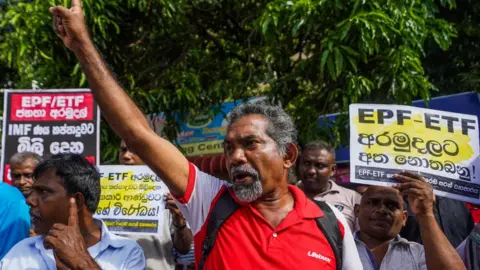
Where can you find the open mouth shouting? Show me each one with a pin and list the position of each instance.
(242, 177)
(243, 174)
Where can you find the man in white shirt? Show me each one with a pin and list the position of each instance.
(159, 250)
(64, 197)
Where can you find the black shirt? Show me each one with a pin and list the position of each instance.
(454, 219)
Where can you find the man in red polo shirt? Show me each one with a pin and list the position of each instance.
(274, 227)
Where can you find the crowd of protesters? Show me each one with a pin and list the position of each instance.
(255, 220)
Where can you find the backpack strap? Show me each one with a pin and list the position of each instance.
(472, 249)
(222, 210)
(328, 224)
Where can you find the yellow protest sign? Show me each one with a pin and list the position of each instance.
(132, 199)
(441, 146)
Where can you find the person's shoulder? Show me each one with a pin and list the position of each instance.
(335, 210)
(30, 241)
(125, 242)
(199, 174)
(124, 239)
(207, 181)
(417, 250)
(340, 217)
(415, 247)
(24, 247)
(347, 192)
(9, 193)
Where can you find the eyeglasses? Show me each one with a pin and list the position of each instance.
(18, 176)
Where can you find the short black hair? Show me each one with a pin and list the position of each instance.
(322, 145)
(77, 175)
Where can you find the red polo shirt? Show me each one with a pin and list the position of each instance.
(247, 241)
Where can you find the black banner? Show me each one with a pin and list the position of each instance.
(50, 122)
(439, 183)
(129, 225)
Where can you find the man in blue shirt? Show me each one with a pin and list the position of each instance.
(14, 218)
(381, 215)
(64, 197)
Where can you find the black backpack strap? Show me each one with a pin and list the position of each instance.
(222, 210)
(472, 249)
(328, 224)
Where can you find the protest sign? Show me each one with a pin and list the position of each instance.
(132, 200)
(441, 146)
(49, 122)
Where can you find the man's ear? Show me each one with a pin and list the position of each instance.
(334, 170)
(356, 210)
(404, 218)
(290, 156)
(80, 201)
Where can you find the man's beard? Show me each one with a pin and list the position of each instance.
(247, 192)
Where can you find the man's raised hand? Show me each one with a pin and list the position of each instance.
(419, 193)
(69, 25)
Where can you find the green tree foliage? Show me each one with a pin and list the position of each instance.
(313, 56)
(458, 68)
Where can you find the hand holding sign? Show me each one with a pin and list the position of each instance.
(419, 192)
(69, 25)
(443, 145)
(67, 241)
(178, 218)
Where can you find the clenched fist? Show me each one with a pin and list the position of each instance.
(69, 25)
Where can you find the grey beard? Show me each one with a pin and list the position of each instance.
(248, 193)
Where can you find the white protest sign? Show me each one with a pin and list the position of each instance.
(441, 146)
(132, 200)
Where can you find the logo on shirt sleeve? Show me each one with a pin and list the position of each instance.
(339, 207)
(318, 256)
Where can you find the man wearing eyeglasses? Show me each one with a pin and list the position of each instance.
(22, 166)
(14, 216)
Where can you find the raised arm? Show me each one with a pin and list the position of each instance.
(121, 113)
(439, 253)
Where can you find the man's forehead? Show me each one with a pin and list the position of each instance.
(47, 178)
(317, 154)
(382, 193)
(29, 162)
(247, 126)
(22, 167)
